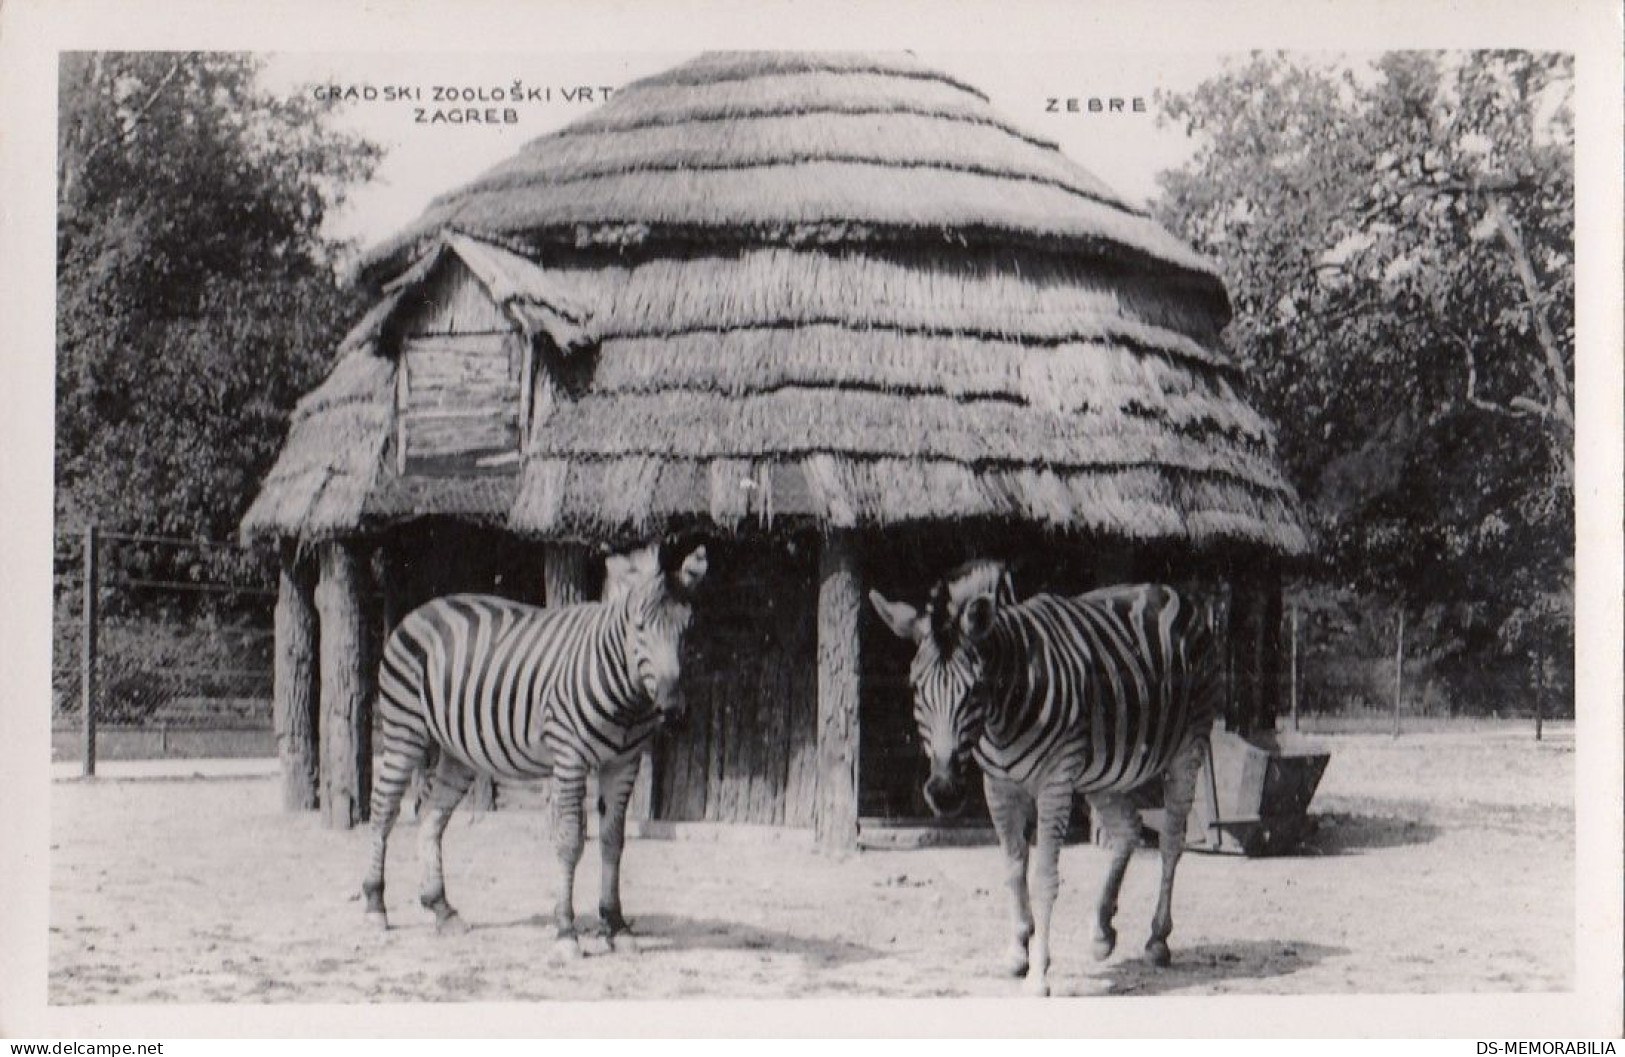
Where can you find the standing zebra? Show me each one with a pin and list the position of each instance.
(1097, 694)
(518, 692)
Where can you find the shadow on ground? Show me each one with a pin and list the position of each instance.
(667, 932)
(1339, 833)
(1208, 964)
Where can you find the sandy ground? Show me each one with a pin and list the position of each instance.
(1442, 863)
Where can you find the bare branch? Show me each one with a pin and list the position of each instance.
(1517, 407)
(1562, 403)
(123, 132)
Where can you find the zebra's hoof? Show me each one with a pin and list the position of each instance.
(565, 949)
(1036, 986)
(451, 925)
(1015, 964)
(1156, 952)
(1104, 945)
(621, 942)
(378, 920)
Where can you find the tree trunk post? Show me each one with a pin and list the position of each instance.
(835, 810)
(1255, 646)
(1270, 676)
(88, 650)
(564, 565)
(296, 694)
(1294, 668)
(1399, 667)
(348, 652)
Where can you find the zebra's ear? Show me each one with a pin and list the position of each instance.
(976, 619)
(904, 620)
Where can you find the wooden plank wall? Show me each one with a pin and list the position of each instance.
(746, 752)
(459, 393)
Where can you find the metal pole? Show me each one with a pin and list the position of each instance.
(1294, 666)
(1399, 668)
(87, 657)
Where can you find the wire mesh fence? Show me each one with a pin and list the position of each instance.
(1365, 668)
(181, 647)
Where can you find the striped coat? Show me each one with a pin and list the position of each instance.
(1097, 694)
(1103, 687)
(520, 692)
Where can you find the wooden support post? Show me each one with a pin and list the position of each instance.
(87, 653)
(1399, 667)
(348, 655)
(835, 810)
(1255, 647)
(1294, 672)
(295, 695)
(1114, 563)
(1270, 676)
(565, 570)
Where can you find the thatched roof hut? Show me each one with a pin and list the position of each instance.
(787, 293)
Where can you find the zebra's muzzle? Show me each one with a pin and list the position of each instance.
(944, 796)
(670, 714)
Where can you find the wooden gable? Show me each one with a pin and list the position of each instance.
(464, 370)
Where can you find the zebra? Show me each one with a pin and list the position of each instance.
(521, 692)
(1095, 694)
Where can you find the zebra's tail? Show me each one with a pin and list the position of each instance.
(402, 720)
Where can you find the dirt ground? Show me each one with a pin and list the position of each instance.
(1442, 863)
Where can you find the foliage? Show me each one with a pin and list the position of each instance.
(1398, 242)
(196, 292)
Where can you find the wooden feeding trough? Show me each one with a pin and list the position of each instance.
(1252, 796)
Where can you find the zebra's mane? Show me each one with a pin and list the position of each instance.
(982, 576)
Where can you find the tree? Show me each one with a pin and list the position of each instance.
(1398, 242)
(196, 292)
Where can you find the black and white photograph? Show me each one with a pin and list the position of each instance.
(562, 522)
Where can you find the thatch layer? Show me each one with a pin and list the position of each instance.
(330, 461)
(787, 137)
(937, 205)
(857, 423)
(762, 144)
(1000, 296)
(639, 495)
(1067, 378)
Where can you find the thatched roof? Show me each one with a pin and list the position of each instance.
(797, 148)
(330, 461)
(842, 291)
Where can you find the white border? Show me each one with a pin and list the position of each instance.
(31, 33)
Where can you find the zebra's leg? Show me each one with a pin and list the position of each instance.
(1012, 811)
(569, 787)
(615, 780)
(1054, 813)
(1178, 791)
(1122, 825)
(447, 787)
(404, 749)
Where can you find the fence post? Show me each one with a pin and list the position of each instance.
(1399, 667)
(88, 651)
(1540, 692)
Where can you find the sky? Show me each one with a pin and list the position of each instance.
(1126, 149)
